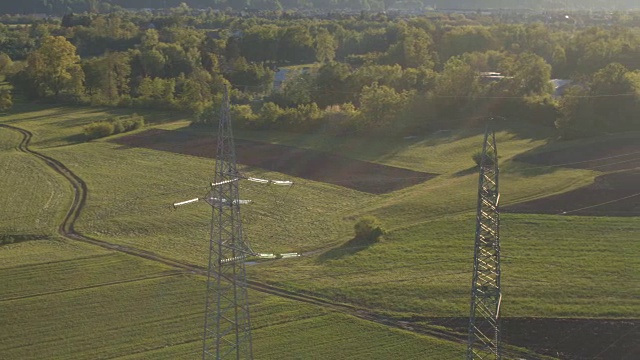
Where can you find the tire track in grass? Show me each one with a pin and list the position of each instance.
(94, 286)
(66, 229)
(29, 265)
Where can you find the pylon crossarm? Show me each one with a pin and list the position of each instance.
(274, 182)
(214, 201)
(175, 205)
(223, 182)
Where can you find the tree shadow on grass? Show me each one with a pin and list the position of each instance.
(6, 239)
(465, 172)
(75, 139)
(349, 248)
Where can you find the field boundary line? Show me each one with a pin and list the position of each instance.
(109, 283)
(58, 261)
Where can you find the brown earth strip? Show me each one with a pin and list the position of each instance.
(608, 155)
(616, 194)
(567, 339)
(303, 163)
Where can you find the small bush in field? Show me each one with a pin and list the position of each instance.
(477, 157)
(136, 122)
(368, 229)
(98, 130)
(118, 126)
(115, 125)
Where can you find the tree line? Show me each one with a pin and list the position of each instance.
(60, 7)
(352, 74)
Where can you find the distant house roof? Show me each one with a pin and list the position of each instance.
(560, 86)
(492, 76)
(279, 77)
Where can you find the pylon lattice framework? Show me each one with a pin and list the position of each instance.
(227, 327)
(486, 296)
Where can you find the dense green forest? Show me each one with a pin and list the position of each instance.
(348, 74)
(64, 6)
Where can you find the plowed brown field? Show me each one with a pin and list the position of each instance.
(613, 194)
(303, 163)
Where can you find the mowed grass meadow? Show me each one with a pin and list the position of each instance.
(64, 299)
(113, 305)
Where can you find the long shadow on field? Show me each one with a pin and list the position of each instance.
(303, 163)
(614, 194)
(465, 172)
(6, 239)
(349, 248)
(621, 152)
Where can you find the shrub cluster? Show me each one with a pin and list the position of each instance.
(368, 229)
(116, 125)
(477, 157)
(301, 118)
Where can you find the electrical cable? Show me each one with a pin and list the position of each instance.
(325, 91)
(600, 204)
(368, 271)
(597, 356)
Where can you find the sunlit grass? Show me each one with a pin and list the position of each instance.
(108, 306)
(549, 269)
(34, 198)
(150, 313)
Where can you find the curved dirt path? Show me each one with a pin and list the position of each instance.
(66, 229)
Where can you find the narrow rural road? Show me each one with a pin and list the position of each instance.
(66, 229)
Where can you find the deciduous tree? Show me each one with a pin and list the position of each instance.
(326, 46)
(54, 67)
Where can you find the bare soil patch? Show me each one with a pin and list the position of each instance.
(608, 155)
(616, 194)
(303, 163)
(570, 339)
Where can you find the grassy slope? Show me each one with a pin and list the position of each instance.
(549, 269)
(553, 266)
(34, 201)
(131, 189)
(33, 197)
(131, 192)
(68, 300)
(423, 266)
(117, 306)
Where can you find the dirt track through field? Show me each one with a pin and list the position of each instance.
(66, 229)
(303, 163)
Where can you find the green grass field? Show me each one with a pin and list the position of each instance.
(35, 201)
(112, 305)
(563, 270)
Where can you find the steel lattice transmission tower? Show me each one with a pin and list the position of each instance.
(227, 327)
(486, 296)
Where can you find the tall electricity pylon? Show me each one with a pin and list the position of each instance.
(486, 296)
(227, 324)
